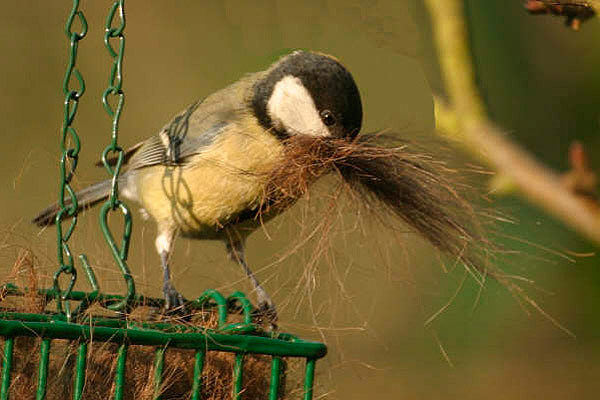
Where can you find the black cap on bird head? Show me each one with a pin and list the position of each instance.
(307, 93)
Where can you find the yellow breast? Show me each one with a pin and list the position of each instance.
(227, 177)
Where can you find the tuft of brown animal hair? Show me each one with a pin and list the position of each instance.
(389, 181)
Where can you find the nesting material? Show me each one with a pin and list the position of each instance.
(393, 183)
(390, 182)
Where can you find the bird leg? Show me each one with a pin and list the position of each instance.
(173, 299)
(266, 307)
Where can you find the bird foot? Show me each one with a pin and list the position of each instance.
(174, 301)
(267, 312)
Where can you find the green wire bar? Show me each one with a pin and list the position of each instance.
(238, 376)
(198, 367)
(275, 375)
(120, 371)
(159, 362)
(43, 369)
(254, 344)
(9, 343)
(309, 378)
(80, 371)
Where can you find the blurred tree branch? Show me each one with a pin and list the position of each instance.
(575, 11)
(465, 120)
(570, 3)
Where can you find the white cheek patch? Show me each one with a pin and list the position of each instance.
(291, 107)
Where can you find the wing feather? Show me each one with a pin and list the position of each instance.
(174, 144)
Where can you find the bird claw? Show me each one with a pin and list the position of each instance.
(174, 301)
(267, 311)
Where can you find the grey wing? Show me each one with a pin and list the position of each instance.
(175, 142)
(168, 150)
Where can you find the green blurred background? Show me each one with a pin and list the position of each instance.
(373, 294)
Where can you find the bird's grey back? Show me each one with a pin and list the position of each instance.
(196, 128)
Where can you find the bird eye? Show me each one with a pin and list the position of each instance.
(327, 117)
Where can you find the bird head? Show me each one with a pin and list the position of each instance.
(306, 93)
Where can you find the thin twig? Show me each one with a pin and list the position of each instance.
(466, 119)
(575, 11)
(575, 3)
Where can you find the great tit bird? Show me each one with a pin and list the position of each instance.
(203, 175)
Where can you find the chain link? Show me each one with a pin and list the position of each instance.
(70, 146)
(115, 91)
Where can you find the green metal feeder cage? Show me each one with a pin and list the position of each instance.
(71, 321)
(241, 338)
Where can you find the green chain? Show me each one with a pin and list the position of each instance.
(115, 89)
(68, 162)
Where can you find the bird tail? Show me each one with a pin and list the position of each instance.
(86, 198)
